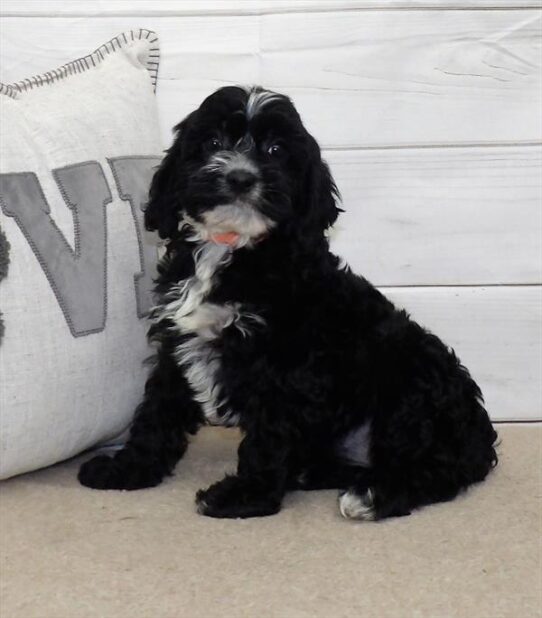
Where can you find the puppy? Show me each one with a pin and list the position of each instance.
(258, 325)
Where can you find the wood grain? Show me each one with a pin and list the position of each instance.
(358, 78)
(225, 7)
(410, 78)
(497, 334)
(443, 216)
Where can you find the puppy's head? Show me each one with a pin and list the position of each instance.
(241, 165)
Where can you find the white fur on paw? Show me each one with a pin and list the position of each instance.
(354, 506)
(201, 506)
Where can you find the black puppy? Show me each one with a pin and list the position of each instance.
(258, 325)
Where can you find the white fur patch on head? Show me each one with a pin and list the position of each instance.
(257, 99)
(355, 506)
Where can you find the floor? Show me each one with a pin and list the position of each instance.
(70, 552)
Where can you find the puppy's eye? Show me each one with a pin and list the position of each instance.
(214, 144)
(276, 150)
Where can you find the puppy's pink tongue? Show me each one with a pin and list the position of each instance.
(226, 238)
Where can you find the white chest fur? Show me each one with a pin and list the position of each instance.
(186, 306)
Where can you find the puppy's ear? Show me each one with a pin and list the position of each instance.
(163, 208)
(321, 193)
(161, 211)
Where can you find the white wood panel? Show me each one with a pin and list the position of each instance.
(358, 78)
(443, 216)
(409, 77)
(497, 334)
(225, 7)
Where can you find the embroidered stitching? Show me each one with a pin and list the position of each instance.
(130, 199)
(76, 228)
(76, 66)
(73, 252)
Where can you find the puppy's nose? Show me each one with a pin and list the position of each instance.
(241, 180)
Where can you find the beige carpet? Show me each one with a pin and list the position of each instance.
(69, 552)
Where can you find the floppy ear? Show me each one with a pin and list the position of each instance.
(162, 210)
(321, 193)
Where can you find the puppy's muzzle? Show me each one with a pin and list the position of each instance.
(240, 181)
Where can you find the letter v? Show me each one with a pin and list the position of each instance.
(77, 277)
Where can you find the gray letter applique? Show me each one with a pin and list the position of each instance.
(133, 176)
(77, 277)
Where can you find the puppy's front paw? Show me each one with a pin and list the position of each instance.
(234, 497)
(103, 472)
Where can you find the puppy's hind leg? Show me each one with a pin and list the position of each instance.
(407, 476)
(157, 437)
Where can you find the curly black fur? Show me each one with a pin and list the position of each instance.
(328, 355)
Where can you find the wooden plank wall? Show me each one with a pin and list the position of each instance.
(429, 114)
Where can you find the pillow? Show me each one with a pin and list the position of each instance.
(4, 261)
(78, 150)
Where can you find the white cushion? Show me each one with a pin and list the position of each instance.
(79, 146)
